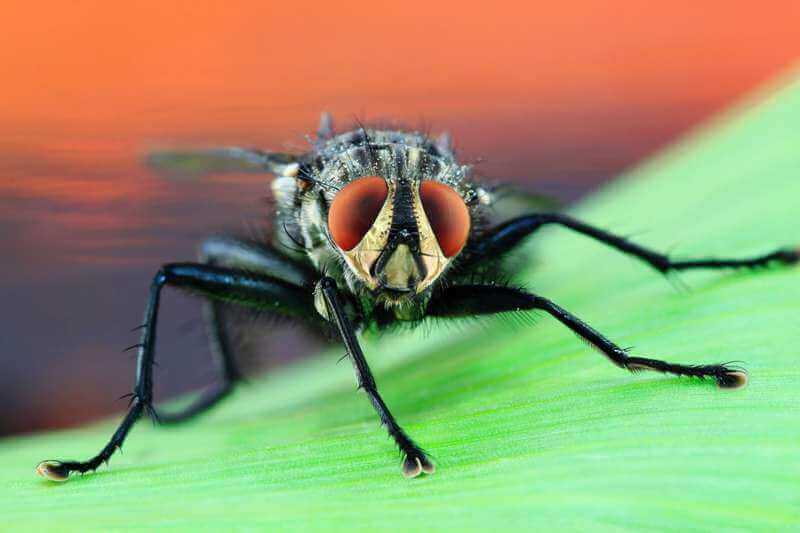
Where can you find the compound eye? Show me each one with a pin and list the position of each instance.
(354, 210)
(447, 214)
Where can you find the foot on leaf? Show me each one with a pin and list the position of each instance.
(731, 379)
(416, 463)
(53, 470)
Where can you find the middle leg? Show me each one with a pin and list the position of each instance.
(470, 300)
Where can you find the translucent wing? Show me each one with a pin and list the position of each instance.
(511, 201)
(193, 164)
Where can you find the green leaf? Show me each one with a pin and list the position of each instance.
(528, 426)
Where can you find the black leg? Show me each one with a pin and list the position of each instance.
(469, 300)
(252, 257)
(503, 238)
(414, 461)
(218, 283)
(221, 350)
(206, 401)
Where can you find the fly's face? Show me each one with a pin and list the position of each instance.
(398, 236)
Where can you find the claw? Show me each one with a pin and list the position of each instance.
(733, 379)
(427, 466)
(413, 466)
(53, 471)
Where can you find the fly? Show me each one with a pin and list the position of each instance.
(375, 227)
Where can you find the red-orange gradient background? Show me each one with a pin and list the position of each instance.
(560, 95)
(150, 69)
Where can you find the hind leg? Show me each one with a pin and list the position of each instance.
(506, 236)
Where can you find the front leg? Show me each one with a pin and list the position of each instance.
(249, 256)
(470, 300)
(415, 461)
(222, 284)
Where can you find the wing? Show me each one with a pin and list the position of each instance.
(510, 201)
(193, 164)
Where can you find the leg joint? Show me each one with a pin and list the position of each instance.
(162, 276)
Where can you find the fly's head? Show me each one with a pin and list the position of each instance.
(398, 236)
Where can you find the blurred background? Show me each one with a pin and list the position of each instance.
(555, 96)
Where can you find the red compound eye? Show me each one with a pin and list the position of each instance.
(448, 215)
(354, 210)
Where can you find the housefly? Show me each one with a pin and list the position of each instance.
(374, 227)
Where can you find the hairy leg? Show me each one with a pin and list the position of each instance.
(504, 237)
(212, 282)
(415, 461)
(470, 300)
(251, 257)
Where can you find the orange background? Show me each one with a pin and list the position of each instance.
(559, 95)
(104, 63)
(578, 88)
(176, 68)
